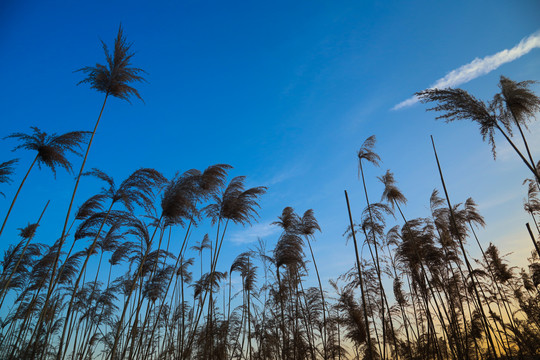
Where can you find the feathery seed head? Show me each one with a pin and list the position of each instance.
(518, 99)
(391, 193)
(366, 152)
(51, 149)
(6, 170)
(458, 104)
(28, 231)
(113, 78)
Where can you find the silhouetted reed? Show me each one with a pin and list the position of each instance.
(126, 287)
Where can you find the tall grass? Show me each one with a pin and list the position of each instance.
(123, 290)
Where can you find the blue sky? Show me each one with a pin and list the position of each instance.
(285, 92)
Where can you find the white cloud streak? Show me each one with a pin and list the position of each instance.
(479, 67)
(251, 234)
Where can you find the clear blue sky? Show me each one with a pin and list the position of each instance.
(285, 92)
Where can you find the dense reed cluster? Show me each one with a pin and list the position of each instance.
(110, 287)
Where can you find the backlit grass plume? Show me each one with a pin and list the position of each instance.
(114, 77)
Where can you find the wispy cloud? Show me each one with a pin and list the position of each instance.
(251, 234)
(283, 175)
(479, 67)
(498, 201)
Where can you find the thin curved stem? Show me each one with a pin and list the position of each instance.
(62, 237)
(2, 294)
(370, 346)
(530, 166)
(17, 194)
(469, 267)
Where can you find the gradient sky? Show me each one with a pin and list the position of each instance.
(286, 92)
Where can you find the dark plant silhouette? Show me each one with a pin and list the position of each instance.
(457, 104)
(447, 304)
(519, 103)
(51, 151)
(366, 153)
(112, 79)
(137, 189)
(361, 281)
(6, 170)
